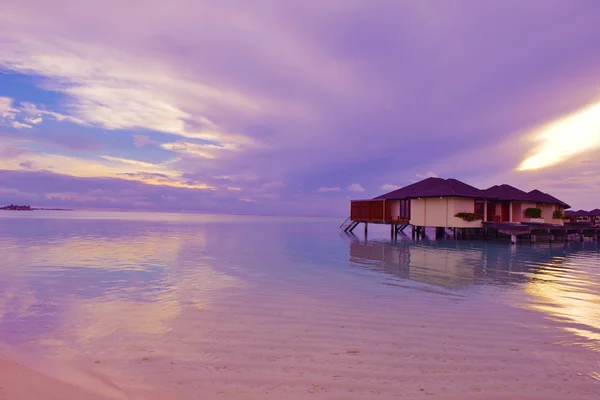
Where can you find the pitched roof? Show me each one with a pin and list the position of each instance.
(578, 213)
(540, 197)
(435, 187)
(507, 192)
(595, 212)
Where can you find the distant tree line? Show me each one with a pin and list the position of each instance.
(14, 207)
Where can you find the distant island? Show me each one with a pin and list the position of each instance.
(13, 207)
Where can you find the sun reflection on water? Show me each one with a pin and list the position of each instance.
(570, 293)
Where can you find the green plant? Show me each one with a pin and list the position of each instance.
(533, 212)
(558, 214)
(469, 217)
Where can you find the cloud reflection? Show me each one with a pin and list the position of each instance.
(93, 284)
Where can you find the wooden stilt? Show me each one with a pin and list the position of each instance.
(513, 239)
(440, 232)
(366, 228)
(352, 227)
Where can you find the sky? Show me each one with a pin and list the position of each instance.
(293, 107)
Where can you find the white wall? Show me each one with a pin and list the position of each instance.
(440, 212)
(548, 213)
(525, 206)
(460, 204)
(417, 212)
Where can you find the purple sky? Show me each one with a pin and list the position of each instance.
(294, 107)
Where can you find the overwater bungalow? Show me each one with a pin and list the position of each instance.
(514, 205)
(553, 209)
(595, 216)
(452, 204)
(576, 215)
(583, 217)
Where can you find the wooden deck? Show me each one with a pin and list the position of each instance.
(532, 231)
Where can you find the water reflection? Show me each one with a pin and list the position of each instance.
(116, 285)
(561, 280)
(74, 281)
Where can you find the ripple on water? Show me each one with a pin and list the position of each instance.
(284, 307)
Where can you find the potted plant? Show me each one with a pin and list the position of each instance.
(533, 212)
(469, 217)
(558, 214)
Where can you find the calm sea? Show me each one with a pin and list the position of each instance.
(124, 290)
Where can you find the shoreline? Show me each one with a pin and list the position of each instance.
(19, 382)
(28, 376)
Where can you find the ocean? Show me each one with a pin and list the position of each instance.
(187, 306)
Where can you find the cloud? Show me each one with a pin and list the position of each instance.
(389, 187)
(6, 106)
(9, 151)
(34, 120)
(7, 112)
(103, 166)
(43, 188)
(355, 187)
(273, 185)
(427, 175)
(126, 161)
(208, 108)
(19, 125)
(328, 189)
(26, 165)
(142, 140)
(203, 150)
(564, 138)
(115, 92)
(35, 114)
(28, 113)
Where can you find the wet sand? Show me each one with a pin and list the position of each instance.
(18, 382)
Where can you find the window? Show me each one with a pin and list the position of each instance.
(404, 209)
(479, 206)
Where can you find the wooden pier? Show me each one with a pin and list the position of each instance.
(525, 232)
(458, 210)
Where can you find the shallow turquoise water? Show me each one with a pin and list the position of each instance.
(48, 257)
(70, 279)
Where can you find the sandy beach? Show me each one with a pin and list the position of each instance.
(18, 382)
(265, 347)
